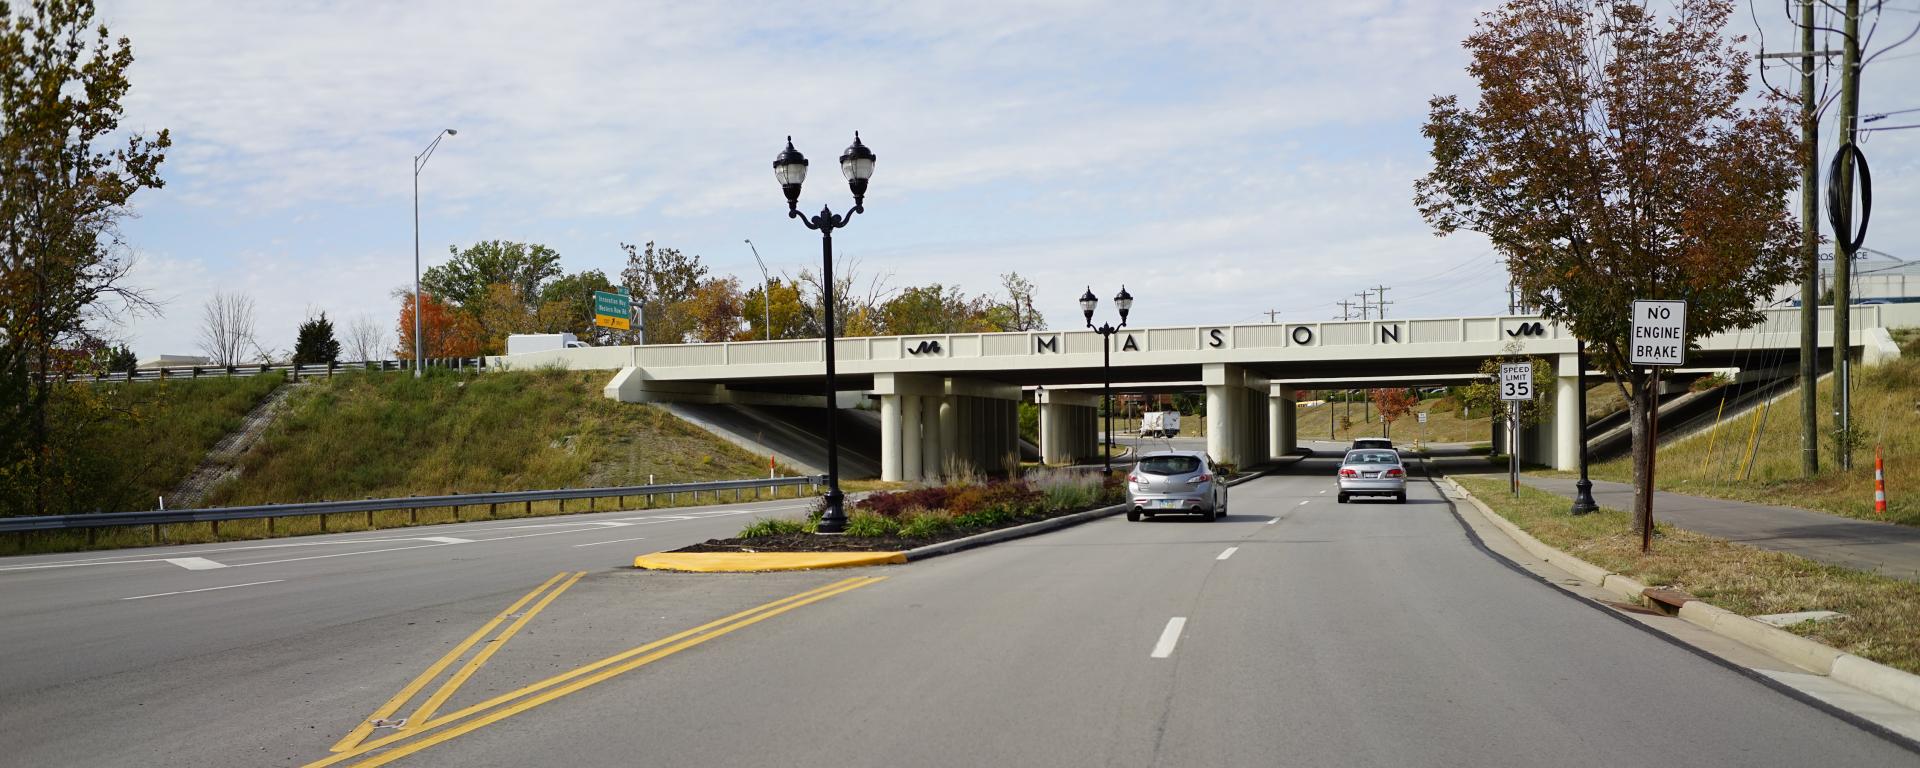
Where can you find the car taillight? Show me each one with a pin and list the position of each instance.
(1349, 473)
(1201, 479)
(1133, 478)
(1396, 473)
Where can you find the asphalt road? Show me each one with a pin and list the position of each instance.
(1296, 632)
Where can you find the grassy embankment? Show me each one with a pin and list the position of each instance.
(389, 435)
(1886, 407)
(1882, 614)
(122, 446)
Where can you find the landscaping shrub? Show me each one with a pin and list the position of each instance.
(925, 525)
(869, 525)
(775, 527)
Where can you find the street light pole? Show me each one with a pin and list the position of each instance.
(790, 168)
(1583, 502)
(766, 289)
(1124, 302)
(419, 162)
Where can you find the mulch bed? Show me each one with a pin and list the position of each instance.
(807, 542)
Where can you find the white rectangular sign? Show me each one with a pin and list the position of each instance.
(1659, 333)
(1516, 381)
(1423, 417)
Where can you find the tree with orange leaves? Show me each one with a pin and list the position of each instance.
(448, 333)
(1610, 158)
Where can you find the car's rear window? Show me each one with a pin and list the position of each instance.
(1373, 457)
(1170, 465)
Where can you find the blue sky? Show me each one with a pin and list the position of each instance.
(1221, 159)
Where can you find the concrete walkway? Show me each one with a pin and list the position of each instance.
(1884, 548)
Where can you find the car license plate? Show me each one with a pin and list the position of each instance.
(1370, 474)
(1166, 503)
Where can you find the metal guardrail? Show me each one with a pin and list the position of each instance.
(370, 506)
(170, 373)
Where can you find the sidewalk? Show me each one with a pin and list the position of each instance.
(1884, 548)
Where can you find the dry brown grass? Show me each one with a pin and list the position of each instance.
(1882, 620)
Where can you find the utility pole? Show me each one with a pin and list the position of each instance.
(1810, 250)
(1365, 308)
(1346, 309)
(1271, 314)
(1382, 303)
(1842, 330)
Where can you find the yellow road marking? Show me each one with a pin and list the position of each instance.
(439, 697)
(360, 732)
(418, 740)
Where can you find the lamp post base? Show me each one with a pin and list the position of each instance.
(1583, 502)
(834, 520)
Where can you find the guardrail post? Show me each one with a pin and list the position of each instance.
(529, 508)
(156, 532)
(413, 514)
(216, 528)
(563, 506)
(91, 534)
(323, 521)
(270, 533)
(490, 507)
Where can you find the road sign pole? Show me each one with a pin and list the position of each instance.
(1513, 447)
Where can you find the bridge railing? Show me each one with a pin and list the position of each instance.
(413, 504)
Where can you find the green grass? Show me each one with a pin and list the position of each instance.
(1886, 406)
(374, 435)
(1882, 620)
(119, 447)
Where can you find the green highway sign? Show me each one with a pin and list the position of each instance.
(612, 310)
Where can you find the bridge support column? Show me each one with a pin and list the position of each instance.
(912, 424)
(1283, 426)
(1067, 429)
(1567, 417)
(949, 431)
(1226, 406)
(932, 458)
(890, 438)
(903, 422)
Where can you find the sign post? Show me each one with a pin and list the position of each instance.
(1659, 341)
(1516, 387)
(612, 310)
(1423, 428)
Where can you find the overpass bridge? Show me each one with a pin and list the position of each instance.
(948, 398)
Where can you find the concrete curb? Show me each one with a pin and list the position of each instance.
(754, 562)
(1055, 523)
(1894, 685)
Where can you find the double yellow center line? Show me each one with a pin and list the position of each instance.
(420, 732)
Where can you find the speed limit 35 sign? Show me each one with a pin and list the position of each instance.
(1516, 381)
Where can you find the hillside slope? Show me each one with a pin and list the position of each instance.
(121, 446)
(1886, 408)
(385, 435)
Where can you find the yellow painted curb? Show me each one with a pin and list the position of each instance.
(726, 562)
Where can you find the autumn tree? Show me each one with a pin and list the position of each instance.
(661, 281)
(366, 339)
(67, 176)
(445, 331)
(1017, 312)
(566, 305)
(1393, 403)
(714, 309)
(467, 278)
(934, 308)
(1610, 158)
(789, 313)
(857, 298)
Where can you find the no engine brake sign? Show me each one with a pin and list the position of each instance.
(1659, 333)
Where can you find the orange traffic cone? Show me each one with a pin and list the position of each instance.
(1879, 483)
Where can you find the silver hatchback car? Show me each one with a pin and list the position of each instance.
(1373, 472)
(1176, 482)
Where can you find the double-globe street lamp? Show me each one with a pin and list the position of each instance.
(1123, 302)
(420, 162)
(790, 168)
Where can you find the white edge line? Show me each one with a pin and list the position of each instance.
(614, 541)
(1228, 553)
(1271, 522)
(208, 589)
(1169, 637)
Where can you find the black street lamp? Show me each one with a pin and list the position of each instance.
(1583, 502)
(1123, 301)
(790, 167)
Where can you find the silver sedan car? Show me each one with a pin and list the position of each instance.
(1373, 472)
(1176, 482)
